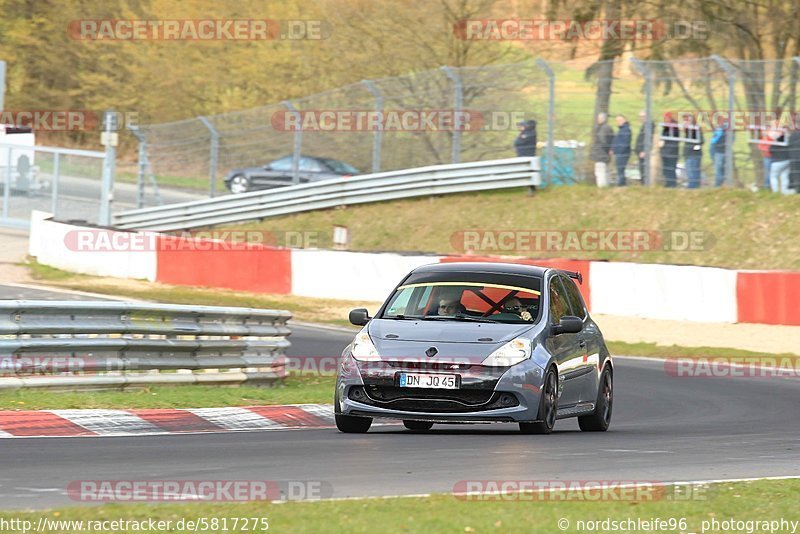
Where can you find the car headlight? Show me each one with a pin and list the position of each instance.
(512, 353)
(363, 349)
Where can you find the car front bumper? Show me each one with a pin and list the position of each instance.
(485, 394)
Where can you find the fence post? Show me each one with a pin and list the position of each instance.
(2, 84)
(730, 72)
(377, 135)
(298, 141)
(109, 165)
(794, 89)
(7, 188)
(213, 156)
(551, 116)
(645, 71)
(144, 169)
(54, 191)
(458, 102)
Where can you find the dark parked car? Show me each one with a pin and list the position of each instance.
(279, 173)
(477, 342)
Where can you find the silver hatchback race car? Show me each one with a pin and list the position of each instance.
(477, 342)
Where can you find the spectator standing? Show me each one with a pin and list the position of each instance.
(718, 146)
(794, 158)
(639, 146)
(621, 147)
(765, 147)
(692, 151)
(780, 170)
(601, 149)
(670, 149)
(525, 143)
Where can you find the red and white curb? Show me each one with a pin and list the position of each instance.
(67, 423)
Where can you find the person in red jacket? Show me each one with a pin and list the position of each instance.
(765, 147)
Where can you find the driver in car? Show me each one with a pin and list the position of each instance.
(513, 305)
(450, 307)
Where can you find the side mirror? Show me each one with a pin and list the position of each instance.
(359, 316)
(569, 324)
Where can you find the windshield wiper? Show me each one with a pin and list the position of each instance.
(402, 317)
(459, 317)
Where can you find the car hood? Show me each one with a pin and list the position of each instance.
(409, 340)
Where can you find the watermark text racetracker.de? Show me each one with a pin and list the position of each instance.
(397, 120)
(613, 240)
(197, 490)
(578, 490)
(197, 30)
(572, 30)
(101, 240)
(723, 367)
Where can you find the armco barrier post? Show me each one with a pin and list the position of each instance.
(551, 114)
(298, 141)
(645, 71)
(458, 102)
(213, 156)
(377, 135)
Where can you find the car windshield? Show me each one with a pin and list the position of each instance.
(340, 166)
(464, 301)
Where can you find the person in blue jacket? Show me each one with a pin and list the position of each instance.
(718, 146)
(621, 146)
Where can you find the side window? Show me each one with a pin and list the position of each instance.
(282, 164)
(559, 306)
(310, 165)
(574, 298)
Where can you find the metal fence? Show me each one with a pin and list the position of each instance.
(83, 344)
(563, 97)
(62, 181)
(407, 183)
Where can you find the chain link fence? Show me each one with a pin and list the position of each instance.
(471, 113)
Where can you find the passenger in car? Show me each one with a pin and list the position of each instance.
(513, 305)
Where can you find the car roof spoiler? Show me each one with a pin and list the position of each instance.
(576, 275)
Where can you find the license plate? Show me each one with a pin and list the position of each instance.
(428, 380)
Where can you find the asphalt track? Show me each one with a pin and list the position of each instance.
(664, 428)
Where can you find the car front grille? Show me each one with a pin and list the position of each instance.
(432, 400)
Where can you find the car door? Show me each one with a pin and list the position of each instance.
(585, 373)
(565, 348)
(276, 174)
(311, 170)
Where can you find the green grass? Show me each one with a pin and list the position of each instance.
(169, 180)
(740, 229)
(293, 390)
(760, 500)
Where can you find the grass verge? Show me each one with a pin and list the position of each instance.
(293, 390)
(742, 501)
(733, 228)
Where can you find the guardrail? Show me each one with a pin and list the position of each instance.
(407, 183)
(101, 345)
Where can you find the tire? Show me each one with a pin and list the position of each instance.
(239, 184)
(350, 424)
(601, 418)
(417, 425)
(548, 407)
